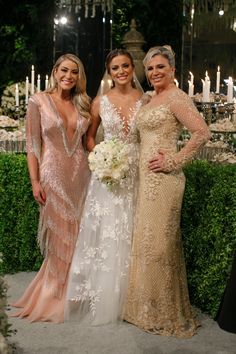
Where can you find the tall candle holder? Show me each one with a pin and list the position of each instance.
(17, 112)
(219, 115)
(207, 112)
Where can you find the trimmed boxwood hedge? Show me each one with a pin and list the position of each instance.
(18, 216)
(208, 225)
(209, 230)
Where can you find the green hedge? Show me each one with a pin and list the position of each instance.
(18, 216)
(209, 231)
(208, 225)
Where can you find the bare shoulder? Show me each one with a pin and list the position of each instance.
(95, 105)
(39, 98)
(137, 93)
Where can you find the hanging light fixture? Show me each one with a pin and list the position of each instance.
(203, 6)
(216, 14)
(87, 7)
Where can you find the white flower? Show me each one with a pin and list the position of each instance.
(110, 161)
(8, 104)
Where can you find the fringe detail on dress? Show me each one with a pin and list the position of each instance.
(57, 240)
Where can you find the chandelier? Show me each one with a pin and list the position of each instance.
(88, 7)
(205, 6)
(214, 14)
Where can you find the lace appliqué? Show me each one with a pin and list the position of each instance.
(123, 128)
(157, 299)
(84, 292)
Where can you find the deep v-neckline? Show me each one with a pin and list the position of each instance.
(60, 119)
(126, 129)
(69, 144)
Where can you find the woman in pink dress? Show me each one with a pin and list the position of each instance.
(57, 120)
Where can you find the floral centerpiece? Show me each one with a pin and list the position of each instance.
(110, 161)
(8, 104)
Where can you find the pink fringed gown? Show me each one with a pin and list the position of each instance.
(64, 175)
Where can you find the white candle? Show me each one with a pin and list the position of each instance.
(32, 80)
(218, 80)
(17, 95)
(38, 84)
(102, 87)
(191, 77)
(176, 82)
(26, 90)
(207, 88)
(46, 82)
(190, 88)
(203, 91)
(230, 90)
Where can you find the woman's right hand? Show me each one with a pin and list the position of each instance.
(38, 192)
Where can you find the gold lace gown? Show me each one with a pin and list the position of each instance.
(64, 175)
(157, 299)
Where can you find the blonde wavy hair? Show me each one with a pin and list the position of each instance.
(79, 95)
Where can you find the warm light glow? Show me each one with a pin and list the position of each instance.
(234, 26)
(192, 12)
(63, 20)
(221, 12)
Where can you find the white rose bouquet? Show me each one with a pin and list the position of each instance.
(110, 161)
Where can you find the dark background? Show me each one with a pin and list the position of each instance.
(29, 36)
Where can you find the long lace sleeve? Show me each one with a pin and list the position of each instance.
(33, 128)
(185, 111)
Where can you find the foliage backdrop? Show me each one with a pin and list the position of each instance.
(160, 22)
(26, 32)
(26, 35)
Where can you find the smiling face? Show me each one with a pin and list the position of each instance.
(66, 75)
(121, 70)
(159, 72)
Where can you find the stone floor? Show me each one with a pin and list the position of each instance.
(123, 338)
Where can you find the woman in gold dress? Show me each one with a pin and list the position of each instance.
(157, 299)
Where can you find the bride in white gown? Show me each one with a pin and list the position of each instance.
(99, 271)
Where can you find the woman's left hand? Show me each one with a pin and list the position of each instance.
(156, 164)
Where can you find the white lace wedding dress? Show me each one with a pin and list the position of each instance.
(99, 271)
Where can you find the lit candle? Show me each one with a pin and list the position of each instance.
(46, 82)
(230, 90)
(191, 77)
(38, 84)
(26, 90)
(17, 95)
(218, 80)
(203, 91)
(176, 82)
(102, 87)
(190, 88)
(32, 80)
(207, 88)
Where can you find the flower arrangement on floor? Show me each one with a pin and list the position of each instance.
(8, 104)
(110, 161)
